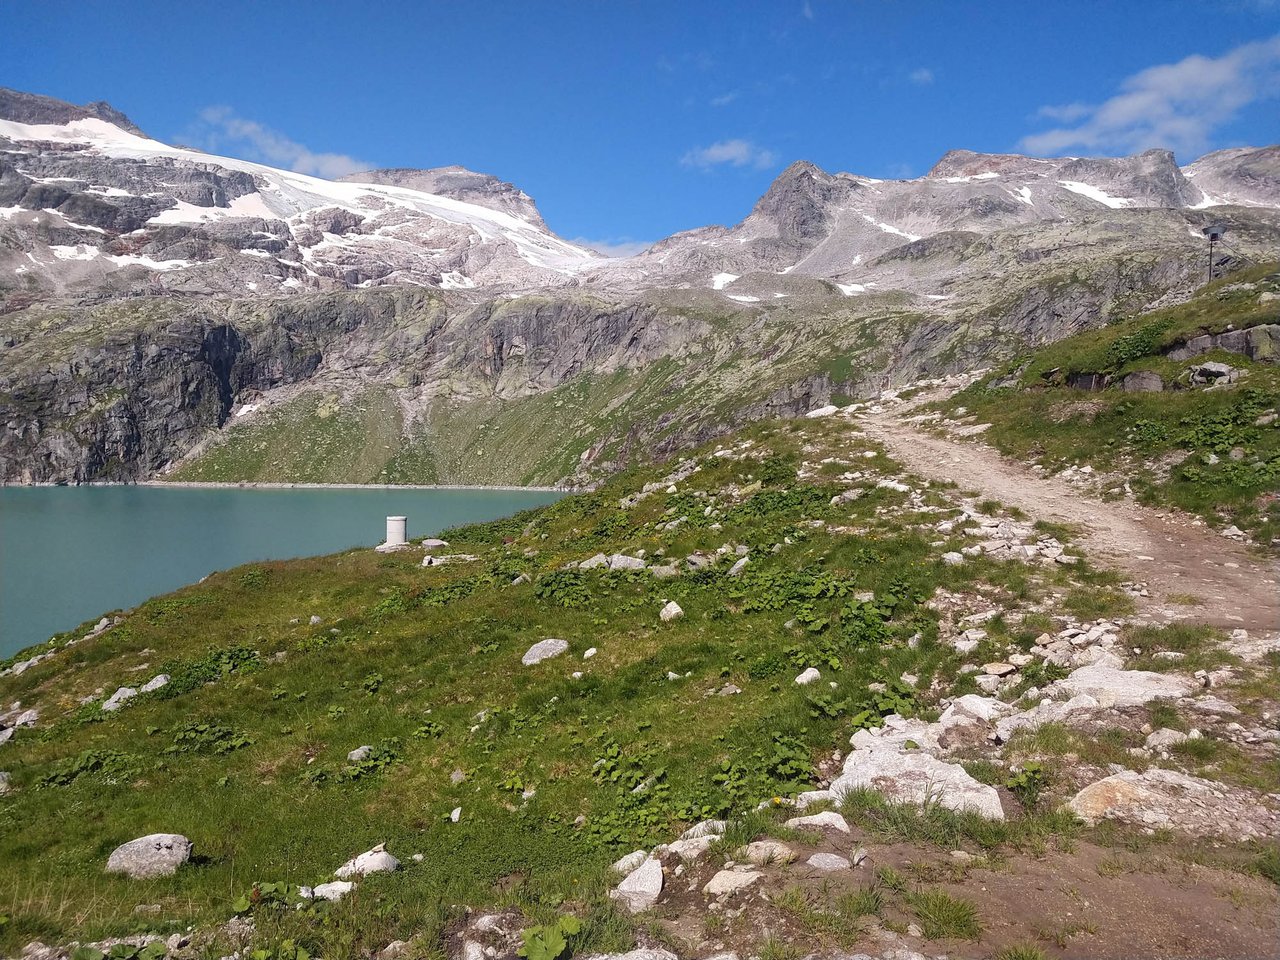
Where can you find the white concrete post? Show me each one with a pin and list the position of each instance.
(395, 531)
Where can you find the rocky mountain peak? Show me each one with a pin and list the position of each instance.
(458, 183)
(34, 108)
(799, 201)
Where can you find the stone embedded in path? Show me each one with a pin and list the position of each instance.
(641, 888)
(376, 860)
(1047, 711)
(155, 855)
(1165, 738)
(827, 820)
(828, 862)
(692, 848)
(917, 778)
(671, 611)
(1123, 688)
(544, 650)
(971, 710)
(765, 852)
(728, 882)
(1166, 799)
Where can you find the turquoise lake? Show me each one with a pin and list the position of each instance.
(68, 554)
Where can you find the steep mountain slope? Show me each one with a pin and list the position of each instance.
(168, 312)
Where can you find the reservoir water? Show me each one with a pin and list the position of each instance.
(71, 553)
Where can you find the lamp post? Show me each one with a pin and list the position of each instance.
(1214, 233)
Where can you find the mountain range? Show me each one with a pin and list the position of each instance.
(168, 312)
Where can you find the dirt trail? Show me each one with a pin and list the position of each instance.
(1163, 550)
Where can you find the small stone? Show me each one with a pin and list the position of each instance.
(315, 621)
(119, 699)
(728, 882)
(591, 652)
(360, 753)
(455, 814)
(827, 820)
(765, 852)
(828, 862)
(155, 683)
(671, 611)
(333, 891)
(544, 650)
(376, 860)
(807, 677)
(630, 862)
(998, 669)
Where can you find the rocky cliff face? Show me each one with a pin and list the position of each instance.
(163, 306)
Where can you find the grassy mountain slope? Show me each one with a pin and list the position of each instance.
(245, 750)
(1214, 451)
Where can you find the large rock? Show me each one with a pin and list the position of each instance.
(641, 888)
(544, 650)
(917, 778)
(155, 855)
(1166, 799)
(1123, 688)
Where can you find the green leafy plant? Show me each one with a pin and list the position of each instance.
(549, 941)
(1028, 782)
(563, 588)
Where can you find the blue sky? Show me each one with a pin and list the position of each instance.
(628, 121)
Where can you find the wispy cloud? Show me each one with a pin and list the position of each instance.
(1174, 105)
(221, 129)
(921, 77)
(724, 99)
(733, 153)
(614, 246)
(806, 10)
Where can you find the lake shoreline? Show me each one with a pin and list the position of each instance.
(286, 485)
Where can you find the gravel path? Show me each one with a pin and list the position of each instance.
(1163, 549)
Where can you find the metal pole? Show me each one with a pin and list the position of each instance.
(1210, 279)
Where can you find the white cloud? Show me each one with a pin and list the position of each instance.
(724, 99)
(807, 10)
(222, 129)
(735, 153)
(1174, 105)
(614, 246)
(921, 77)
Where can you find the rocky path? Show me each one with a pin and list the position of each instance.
(1167, 552)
